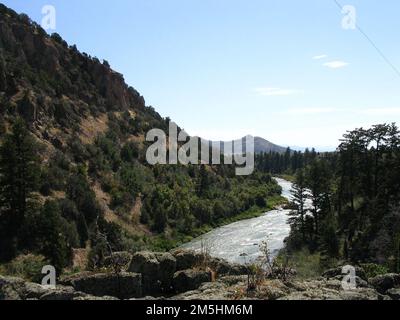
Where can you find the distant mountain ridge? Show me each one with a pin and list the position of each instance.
(261, 145)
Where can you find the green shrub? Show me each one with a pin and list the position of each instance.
(372, 269)
(28, 267)
(307, 265)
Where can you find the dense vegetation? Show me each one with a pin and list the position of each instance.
(72, 160)
(285, 163)
(347, 202)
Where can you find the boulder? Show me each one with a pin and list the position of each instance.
(18, 289)
(34, 291)
(123, 285)
(382, 283)
(61, 293)
(11, 288)
(145, 263)
(188, 280)
(167, 268)
(187, 259)
(157, 271)
(335, 272)
(67, 281)
(394, 293)
(223, 267)
(360, 283)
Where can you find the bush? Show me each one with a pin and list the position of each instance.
(28, 267)
(372, 269)
(130, 151)
(307, 265)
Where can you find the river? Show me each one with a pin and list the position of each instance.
(239, 242)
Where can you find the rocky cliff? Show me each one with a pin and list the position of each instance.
(51, 83)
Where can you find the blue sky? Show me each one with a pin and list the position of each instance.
(284, 70)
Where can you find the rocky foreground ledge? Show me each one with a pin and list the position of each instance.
(186, 275)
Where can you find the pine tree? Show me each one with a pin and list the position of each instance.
(19, 175)
(160, 219)
(318, 181)
(53, 240)
(203, 183)
(330, 244)
(299, 198)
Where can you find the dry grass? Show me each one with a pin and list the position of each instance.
(91, 127)
(134, 227)
(79, 258)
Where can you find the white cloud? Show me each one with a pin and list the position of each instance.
(322, 56)
(276, 91)
(336, 64)
(309, 111)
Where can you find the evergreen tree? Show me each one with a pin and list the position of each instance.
(318, 180)
(329, 245)
(160, 219)
(54, 242)
(19, 177)
(203, 181)
(160, 206)
(299, 193)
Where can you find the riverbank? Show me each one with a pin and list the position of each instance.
(176, 239)
(240, 241)
(287, 177)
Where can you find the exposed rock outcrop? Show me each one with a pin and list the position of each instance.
(394, 293)
(123, 285)
(157, 271)
(234, 287)
(17, 289)
(190, 280)
(161, 271)
(382, 283)
(332, 273)
(187, 259)
(195, 283)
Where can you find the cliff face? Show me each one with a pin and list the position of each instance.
(52, 84)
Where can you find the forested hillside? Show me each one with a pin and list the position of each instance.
(353, 197)
(73, 172)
